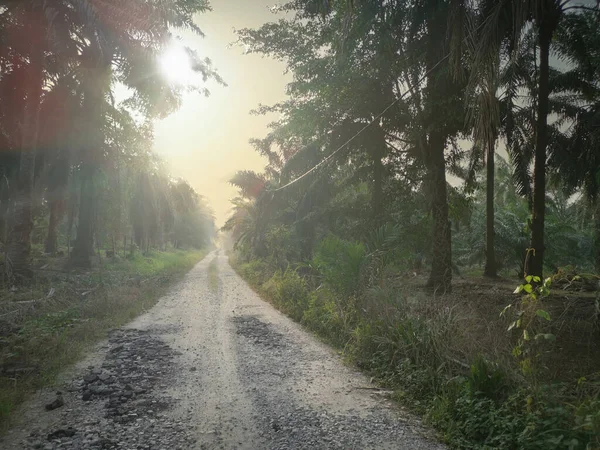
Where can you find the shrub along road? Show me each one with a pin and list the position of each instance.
(213, 366)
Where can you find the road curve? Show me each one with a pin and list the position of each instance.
(215, 367)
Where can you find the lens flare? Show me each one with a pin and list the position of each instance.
(176, 66)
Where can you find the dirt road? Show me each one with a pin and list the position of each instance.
(212, 366)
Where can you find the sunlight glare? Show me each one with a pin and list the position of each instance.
(176, 65)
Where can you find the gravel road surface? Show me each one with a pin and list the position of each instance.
(214, 367)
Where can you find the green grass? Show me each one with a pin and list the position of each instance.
(157, 263)
(83, 307)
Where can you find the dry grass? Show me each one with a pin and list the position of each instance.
(48, 325)
(476, 304)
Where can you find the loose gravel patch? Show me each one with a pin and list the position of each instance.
(270, 358)
(121, 403)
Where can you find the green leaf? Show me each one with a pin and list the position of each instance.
(528, 278)
(543, 314)
(518, 290)
(525, 335)
(536, 279)
(528, 288)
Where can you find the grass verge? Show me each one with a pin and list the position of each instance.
(448, 357)
(49, 325)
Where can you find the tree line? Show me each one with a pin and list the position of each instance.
(392, 124)
(79, 88)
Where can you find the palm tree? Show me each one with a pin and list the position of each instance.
(546, 17)
(491, 70)
(485, 107)
(26, 19)
(577, 163)
(122, 44)
(93, 43)
(252, 212)
(444, 87)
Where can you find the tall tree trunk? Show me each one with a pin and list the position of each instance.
(597, 235)
(377, 194)
(71, 219)
(5, 201)
(534, 260)
(19, 245)
(441, 264)
(490, 253)
(83, 248)
(98, 68)
(440, 278)
(51, 244)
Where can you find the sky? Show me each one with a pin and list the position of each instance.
(206, 140)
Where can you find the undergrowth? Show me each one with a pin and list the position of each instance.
(425, 350)
(48, 325)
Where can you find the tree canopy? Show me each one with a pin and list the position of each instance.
(71, 147)
(394, 110)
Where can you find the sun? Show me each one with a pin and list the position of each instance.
(175, 64)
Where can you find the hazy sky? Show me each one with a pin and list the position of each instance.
(206, 141)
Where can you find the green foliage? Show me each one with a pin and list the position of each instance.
(568, 230)
(339, 264)
(486, 379)
(289, 292)
(156, 262)
(530, 322)
(282, 247)
(89, 157)
(327, 317)
(523, 420)
(256, 272)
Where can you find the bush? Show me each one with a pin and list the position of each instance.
(526, 419)
(327, 318)
(487, 380)
(402, 352)
(282, 246)
(256, 272)
(288, 291)
(339, 264)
